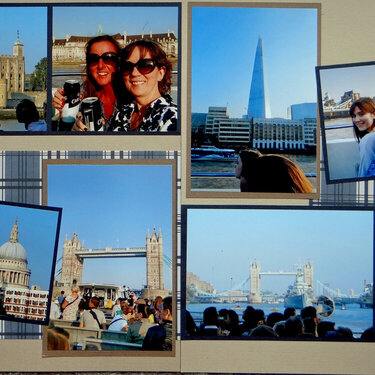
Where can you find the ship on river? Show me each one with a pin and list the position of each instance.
(300, 294)
(366, 300)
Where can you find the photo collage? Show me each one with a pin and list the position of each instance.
(180, 179)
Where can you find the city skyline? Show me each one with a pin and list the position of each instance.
(222, 58)
(31, 23)
(134, 199)
(279, 239)
(337, 81)
(114, 19)
(37, 230)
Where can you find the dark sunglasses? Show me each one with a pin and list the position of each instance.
(107, 58)
(144, 66)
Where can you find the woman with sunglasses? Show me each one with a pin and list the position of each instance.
(101, 60)
(362, 112)
(147, 75)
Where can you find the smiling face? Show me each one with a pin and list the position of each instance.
(363, 121)
(144, 87)
(102, 72)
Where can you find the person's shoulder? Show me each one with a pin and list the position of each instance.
(368, 142)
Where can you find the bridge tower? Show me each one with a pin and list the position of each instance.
(154, 258)
(255, 296)
(71, 270)
(308, 274)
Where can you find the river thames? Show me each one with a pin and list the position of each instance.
(306, 162)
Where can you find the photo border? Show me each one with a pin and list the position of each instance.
(49, 8)
(53, 265)
(246, 195)
(318, 69)
(156, 162)
(184, 250)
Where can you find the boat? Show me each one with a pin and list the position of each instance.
(300, 294)
(212, 153)
(366, 299)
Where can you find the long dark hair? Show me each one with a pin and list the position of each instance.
(158, 55)
(90, 86)
(272, 174)
(366, 105)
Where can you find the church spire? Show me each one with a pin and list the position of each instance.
(14, 233)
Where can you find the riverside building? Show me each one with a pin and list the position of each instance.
(72, 49)
(19, 300)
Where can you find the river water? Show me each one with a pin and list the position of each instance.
(306, 162)
(353, 317)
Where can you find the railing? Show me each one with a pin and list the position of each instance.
(230, 174)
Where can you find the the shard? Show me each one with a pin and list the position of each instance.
(258, 100)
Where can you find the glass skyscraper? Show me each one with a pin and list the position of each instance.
(258, 100)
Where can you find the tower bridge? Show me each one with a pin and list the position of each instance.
(109, 252)
(74, 254)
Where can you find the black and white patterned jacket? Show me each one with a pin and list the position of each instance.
(160, 116)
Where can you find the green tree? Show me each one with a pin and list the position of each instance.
(38, 79)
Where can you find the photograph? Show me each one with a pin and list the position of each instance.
(113, 287)
(23, 69)
(253, 100)
(118, 71)
(278, 273)
(28, 244)
(347, 114)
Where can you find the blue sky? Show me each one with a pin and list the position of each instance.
(336, 81)
(114, 205)
(222, 243)
(68, 20)
(32, 25)
(37, 234)
(224, 42)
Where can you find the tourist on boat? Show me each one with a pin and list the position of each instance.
(57, 339)
(93, 317)
(288, 312)
(102, 79)
(121, 322)
(228, 323)
(252, 318)
(70, 304)
(160, 336)
(210, 325)
(270, 174)
(116, 307)
(362, 112)
(28, 114)
(274, 318)
(138, 330)
(293, 327)
(147, 75)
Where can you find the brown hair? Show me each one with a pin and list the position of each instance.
(57, 340)
(272, 174)
(158, 55)
(90, 86)
(366, 105)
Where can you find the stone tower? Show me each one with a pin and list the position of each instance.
(154, 256)
(308, 274)
(71, 270)
(255, 296)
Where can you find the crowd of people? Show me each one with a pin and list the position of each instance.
(255, 323)
(146, 322)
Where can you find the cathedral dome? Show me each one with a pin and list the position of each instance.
(13, 249)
